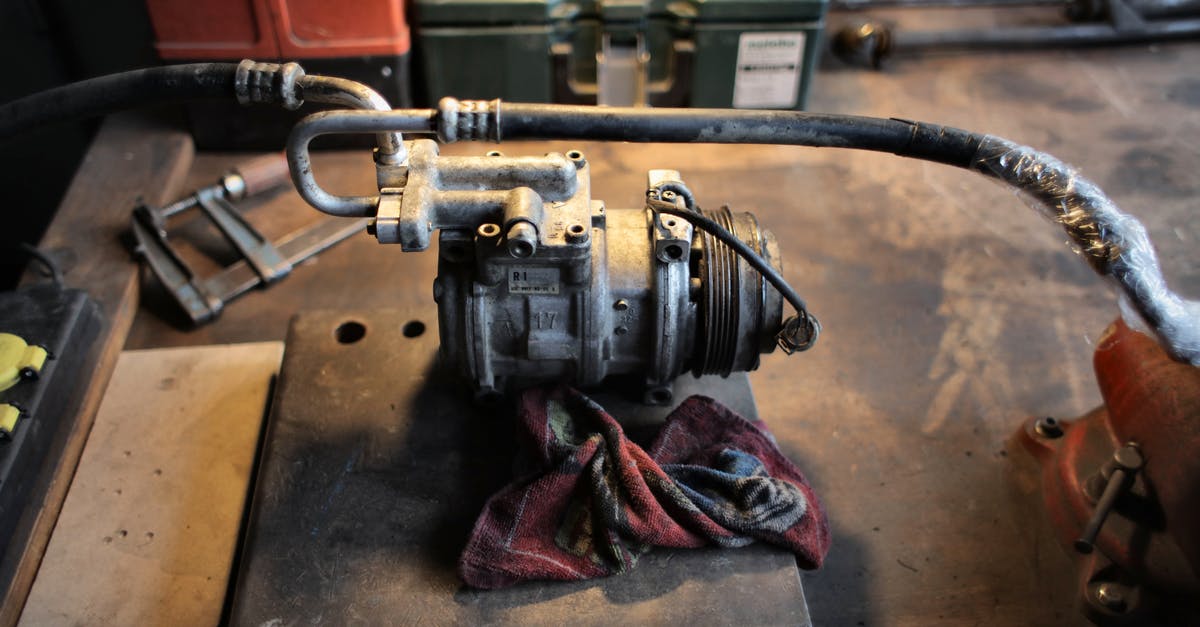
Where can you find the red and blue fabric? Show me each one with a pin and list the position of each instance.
(592, 501)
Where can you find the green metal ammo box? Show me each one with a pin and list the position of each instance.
(699, 53)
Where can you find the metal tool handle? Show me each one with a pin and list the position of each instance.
(259, 175)
(1126, 462)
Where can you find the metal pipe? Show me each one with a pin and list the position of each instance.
(1042, 36)
(1160, 9)
(336, 122)
(347, 93)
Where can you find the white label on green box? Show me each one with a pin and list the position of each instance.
(769, 66)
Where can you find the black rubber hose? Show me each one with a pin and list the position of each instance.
(126, 90)
(930, 142)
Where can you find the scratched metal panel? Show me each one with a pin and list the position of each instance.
(374, 469)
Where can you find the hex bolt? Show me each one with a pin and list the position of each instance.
(1128, 460)
(1112, 596)
(1048, 427)
(577, 234)
(521, 240)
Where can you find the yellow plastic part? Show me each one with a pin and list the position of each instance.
(15, 357)
(8, 417)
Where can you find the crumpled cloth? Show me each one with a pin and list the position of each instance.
(594, 500)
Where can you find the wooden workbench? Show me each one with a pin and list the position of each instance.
(951, 310)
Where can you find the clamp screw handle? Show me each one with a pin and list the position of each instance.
(1127, 461)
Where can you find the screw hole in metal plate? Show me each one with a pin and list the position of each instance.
(413, 328)
(350, 332)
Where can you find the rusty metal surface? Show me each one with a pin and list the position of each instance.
(375, 468)
(1155, 402)
(1141, 534)
(951, 313)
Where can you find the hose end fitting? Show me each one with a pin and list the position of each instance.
(268, 83)
(468, 120)
(522, 240)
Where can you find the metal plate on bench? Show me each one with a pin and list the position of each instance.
(375, 466)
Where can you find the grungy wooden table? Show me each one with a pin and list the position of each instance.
(951, 310)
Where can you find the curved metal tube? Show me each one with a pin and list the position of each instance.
(341, 122)
(1114, 243)
(355, 95)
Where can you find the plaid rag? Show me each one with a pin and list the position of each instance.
(594, 501)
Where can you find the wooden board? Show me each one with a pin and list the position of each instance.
(131, 157)
(149, 528)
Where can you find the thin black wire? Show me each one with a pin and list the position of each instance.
(768, 272)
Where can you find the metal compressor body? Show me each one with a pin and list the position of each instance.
(537, 281)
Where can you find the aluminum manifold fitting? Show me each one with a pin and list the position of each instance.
(537, 281)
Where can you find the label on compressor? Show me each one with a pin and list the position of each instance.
(532, 280)
(769, 66)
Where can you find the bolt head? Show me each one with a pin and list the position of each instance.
(1129, 457)
(1112, 596)
(1048, 427)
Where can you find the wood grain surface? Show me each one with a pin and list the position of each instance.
(132, 157)
(148, 531)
